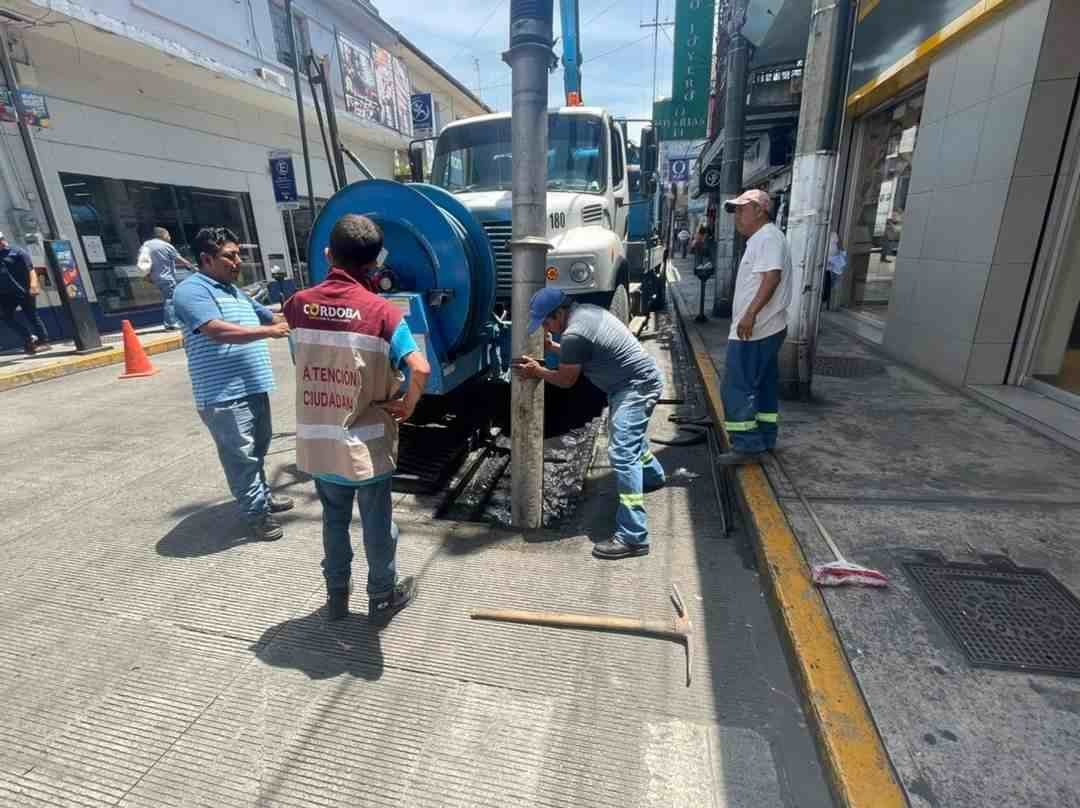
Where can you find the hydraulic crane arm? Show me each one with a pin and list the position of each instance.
(571, 36)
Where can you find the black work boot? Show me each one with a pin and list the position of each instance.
(267, 528)
(382, 607)
(279, 504)
(740, 458)
(337, 603)
(614, 548)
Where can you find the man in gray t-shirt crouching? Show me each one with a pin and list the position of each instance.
(595, 342)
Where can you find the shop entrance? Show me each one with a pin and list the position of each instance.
(884, 157)
(1057, 355)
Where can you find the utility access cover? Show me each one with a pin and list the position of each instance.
(1003, 616)
(848, 367)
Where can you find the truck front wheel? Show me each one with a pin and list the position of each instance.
(620, 304)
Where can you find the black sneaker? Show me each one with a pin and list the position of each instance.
(280, 504)
(614, 548)
(337, 603)
(648, 489)
(740, 458)
(267, 529)
(382, 607)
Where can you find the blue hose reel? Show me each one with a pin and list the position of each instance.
(438, 269)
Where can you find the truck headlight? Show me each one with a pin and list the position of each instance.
(580, 272)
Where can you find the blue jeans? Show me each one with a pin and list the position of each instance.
(168, 289)
(751, 385)
(634, 465)
(241, 429)
(380, 534)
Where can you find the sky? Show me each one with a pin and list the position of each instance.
(467, 38)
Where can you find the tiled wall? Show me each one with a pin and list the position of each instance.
(995, 112)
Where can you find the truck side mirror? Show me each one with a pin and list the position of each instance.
(416, 161)
(648, 151)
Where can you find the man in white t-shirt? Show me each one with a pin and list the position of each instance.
(758, 327)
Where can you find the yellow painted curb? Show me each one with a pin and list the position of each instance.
(65, 366)
(851, 748)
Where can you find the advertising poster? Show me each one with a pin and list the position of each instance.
(358, 78)
(384, 81)
(37, 110)
(95, 250)
(403, 97)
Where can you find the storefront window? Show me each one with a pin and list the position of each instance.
(1057, 361)
(114, 217)
(297, 225)
(889, 140)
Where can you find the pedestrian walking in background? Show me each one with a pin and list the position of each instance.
(684, 240)
(758, 327)
(700, 244)
(351, 348)
(19, 290)
(159, 257)
(595, 342)
(231, 377)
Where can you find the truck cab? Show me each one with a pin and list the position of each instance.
(588, 199)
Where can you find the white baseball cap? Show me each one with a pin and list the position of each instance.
(759, 198)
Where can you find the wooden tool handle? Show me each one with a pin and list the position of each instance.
(562, 620)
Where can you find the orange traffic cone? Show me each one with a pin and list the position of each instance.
(136, 362)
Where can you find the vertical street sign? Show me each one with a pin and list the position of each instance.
(692, 69)
(679, 169)
(283, 178)
(423, 115)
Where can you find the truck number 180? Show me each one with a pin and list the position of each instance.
(558, 220)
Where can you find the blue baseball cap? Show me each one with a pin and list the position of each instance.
(541, 306)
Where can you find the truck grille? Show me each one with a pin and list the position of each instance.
(499, 234)
(592, 214)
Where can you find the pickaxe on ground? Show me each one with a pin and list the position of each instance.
(679, 629)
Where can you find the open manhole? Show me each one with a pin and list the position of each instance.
(847, 366)
(1003, 616)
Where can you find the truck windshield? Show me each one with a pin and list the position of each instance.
(476, 157)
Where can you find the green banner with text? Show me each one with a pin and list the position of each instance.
(686, 115)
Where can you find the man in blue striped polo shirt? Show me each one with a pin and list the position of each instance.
(231, 374)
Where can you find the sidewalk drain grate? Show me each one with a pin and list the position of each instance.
(1003, 616)
(848, 367)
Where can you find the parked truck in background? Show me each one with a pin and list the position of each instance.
(598, 207)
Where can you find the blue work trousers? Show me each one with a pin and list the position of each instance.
(380, 534)
(241, 430)
(634, 465)
(168, 289)
(751, 383)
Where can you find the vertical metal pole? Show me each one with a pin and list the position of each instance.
(729, 243)
(27, 136)
(529, 57)
(655, 54)
(300, 113)
(331, 123)
(813, 175)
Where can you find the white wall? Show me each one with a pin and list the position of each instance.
(978, 196)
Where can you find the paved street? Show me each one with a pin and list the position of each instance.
(151, 656)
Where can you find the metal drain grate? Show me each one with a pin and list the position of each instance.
(1003, 616)
(848, 367)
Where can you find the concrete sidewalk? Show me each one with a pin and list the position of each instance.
(18, 369)
(894, 465)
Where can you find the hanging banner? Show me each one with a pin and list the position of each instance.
(384, 83)
(692, 70)
(358, 78)
(403, 97)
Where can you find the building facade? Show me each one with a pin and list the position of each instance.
(959, 197)
(160, 113)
